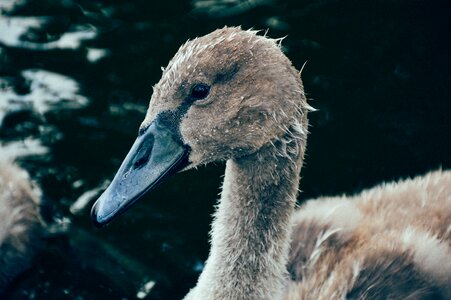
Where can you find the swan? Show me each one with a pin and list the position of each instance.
(233, 96)
(20, 223)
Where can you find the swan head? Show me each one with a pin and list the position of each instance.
(223, 96)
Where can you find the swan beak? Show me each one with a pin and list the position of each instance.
(156, 154)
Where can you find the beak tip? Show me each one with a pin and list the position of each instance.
(96, 217)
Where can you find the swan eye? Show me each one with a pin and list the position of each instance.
(200, 91)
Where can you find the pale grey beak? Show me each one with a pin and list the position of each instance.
(157, 153)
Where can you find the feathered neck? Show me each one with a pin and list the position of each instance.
(251, 230)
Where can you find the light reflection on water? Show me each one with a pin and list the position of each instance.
(48, 91)
(75, 79)
(22, 148)
(226, 8)
(13, 32)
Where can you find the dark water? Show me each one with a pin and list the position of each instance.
(76, 77)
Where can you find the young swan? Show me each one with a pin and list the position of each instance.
(20, 225)
(232, 95)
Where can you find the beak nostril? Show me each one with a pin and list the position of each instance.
(140, 162)
(143, 155)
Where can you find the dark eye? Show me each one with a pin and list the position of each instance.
(200, 91)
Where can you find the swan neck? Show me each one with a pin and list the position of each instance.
(251, 229)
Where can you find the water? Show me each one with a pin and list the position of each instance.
(76, 77)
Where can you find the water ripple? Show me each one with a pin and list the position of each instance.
(48, 91)
(13, 34)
